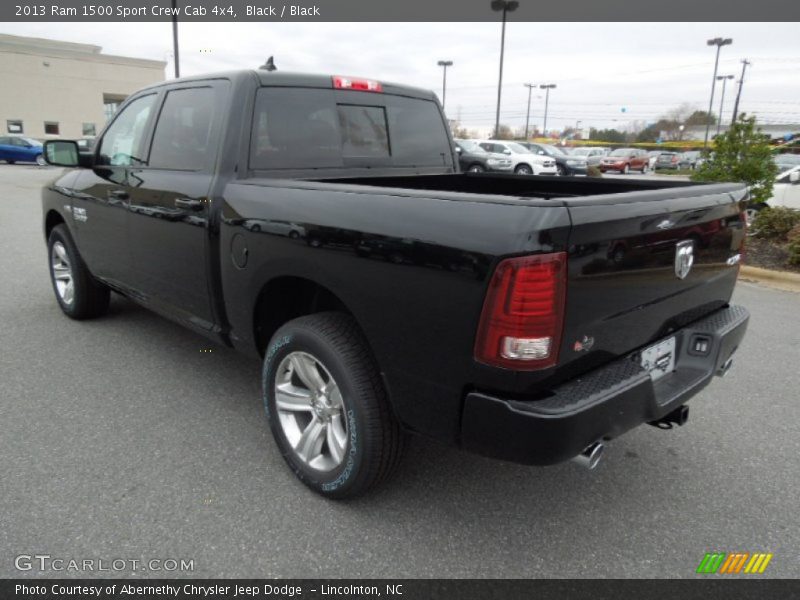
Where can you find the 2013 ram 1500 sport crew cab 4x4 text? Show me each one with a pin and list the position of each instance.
(322, 224)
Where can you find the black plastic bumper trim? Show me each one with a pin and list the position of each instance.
(602, 404)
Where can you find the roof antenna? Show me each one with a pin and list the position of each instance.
(269, 65)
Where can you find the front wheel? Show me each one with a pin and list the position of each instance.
(476, 169)
(626, 169)
(644, 169)
(523, 170)
(562, 171)
(79, 294)
(327, 407)
(40, 160)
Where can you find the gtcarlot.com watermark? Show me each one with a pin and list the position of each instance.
(48, 563)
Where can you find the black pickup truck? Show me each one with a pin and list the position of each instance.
(322, 224)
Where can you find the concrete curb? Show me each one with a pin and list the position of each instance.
(782, 280)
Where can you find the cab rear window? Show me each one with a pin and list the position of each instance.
(303, 128)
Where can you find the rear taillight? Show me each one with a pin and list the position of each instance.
(361, 85)
(523, 314)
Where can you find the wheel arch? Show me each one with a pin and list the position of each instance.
(52, 218)
(286, 297)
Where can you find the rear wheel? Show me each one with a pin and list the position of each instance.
(644, 169)
(751, 212)
(562, 170)
(523, 170)
(476, 169)
(327, 407)
(79, 295)
(40, 160)
(625, 170)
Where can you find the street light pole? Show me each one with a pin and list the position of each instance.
(530, 86)
(719, 43)
(444, 64)
(175, 39)
(547, 87)
(745, 63)
(506, 6)
(724, 79)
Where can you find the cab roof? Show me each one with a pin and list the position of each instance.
(309, 80)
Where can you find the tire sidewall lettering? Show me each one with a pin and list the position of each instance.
(266, 378)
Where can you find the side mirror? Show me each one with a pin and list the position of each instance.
(61, 153)
(506, 151)
(541, 152)
(794, 177)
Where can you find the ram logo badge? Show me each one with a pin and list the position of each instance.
(684, 258)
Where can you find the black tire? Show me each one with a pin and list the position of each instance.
(11, 162)
(562, 170)
(89, 298)
(625, 170)
(39, 160)
(523, 170)
(374, 439)
(476, 168)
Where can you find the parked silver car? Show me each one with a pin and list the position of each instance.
(592, 155)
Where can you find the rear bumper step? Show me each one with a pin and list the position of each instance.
(604, 403)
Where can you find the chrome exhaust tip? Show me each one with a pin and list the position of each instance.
(726, 366)
(591, 455)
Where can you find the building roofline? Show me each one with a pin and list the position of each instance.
(70, 50)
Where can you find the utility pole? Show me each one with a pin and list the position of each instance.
(175, 39)
(745, 63)
(530, 86)
(719, 43)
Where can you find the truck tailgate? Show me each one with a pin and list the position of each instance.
(628, 281)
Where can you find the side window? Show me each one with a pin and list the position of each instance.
(183, 133)
(121, 144)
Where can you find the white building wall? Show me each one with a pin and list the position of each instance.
(46, 80)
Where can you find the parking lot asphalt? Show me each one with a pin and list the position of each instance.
(121, 439)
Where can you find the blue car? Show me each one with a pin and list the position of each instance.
(20, 149)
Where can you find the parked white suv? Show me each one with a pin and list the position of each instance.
(785, 192)
(524, 161)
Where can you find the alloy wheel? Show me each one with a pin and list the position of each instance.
(311, 411)
(62, 273)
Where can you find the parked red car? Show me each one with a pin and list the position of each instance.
(625, 160)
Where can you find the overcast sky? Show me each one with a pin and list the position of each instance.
(599, 68)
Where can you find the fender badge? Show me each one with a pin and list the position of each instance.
(585, 344)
